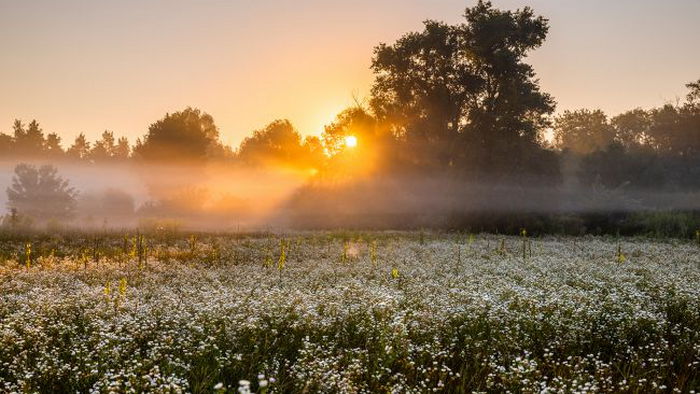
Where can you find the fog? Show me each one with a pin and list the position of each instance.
(225, 197)
(204, 197)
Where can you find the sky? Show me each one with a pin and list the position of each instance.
(89, 66)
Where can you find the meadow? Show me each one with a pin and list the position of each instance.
(348, 312)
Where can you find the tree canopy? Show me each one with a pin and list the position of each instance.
(41, 193)
(279, 143)
(462, 94)
(188, 136)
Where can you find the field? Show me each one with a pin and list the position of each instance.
(348, 312)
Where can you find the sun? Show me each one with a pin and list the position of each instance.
(350, 141)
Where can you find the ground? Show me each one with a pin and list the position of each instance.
(348, 312)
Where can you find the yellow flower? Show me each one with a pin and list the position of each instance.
(122, 287)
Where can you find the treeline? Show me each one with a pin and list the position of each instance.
(657, 148)
(184, 136)
(28, 141)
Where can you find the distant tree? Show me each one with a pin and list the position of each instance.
(693, 97)
(616, 167)
(6, 145)
(41, 193)
(657, 149)
(53, 146)
(80, 148)
(665, 130)
(111, 204)
(29, 140)
(104, 149)
(279, 143)
(632, 128)
(188, 136)
(690, 121)
(675, 129)
(461, 95)
(354, 121)
(583, 131)
(122, 150)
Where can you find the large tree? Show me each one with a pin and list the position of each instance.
(188, 137)
(279, 143)
(463, 93)
(41, 193)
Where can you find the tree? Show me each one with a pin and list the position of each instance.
(461, 94)
(29, 141)
(632, 128)
(665, 130)
(693, 97)
(279, 143)
(122, 150)
(188, 136)
(6, 145)
(80, 148)
(354, 121)
(675, 129)
(53, 146)
(104, 148)
(41, 193)
(583, 131)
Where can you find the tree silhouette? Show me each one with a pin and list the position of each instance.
(29, 140)
(41, 193)
(188, 136)
(53, 146)
(353, 121)
(632, 128)
(80, 148)
(583, 131)
(281, 144)
(693, 97)
(462, 93)
(6, 145)
(122, 150)
(104, 149)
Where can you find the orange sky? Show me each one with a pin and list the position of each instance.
(87, 66)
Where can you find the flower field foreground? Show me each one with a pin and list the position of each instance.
(371, 312)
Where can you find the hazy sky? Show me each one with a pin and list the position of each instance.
(86, 66)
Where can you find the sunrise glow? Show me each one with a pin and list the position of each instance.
(350, 141)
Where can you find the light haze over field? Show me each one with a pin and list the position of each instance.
(79, 66)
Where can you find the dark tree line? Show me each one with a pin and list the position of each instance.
(657, 148)
(28, 141)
